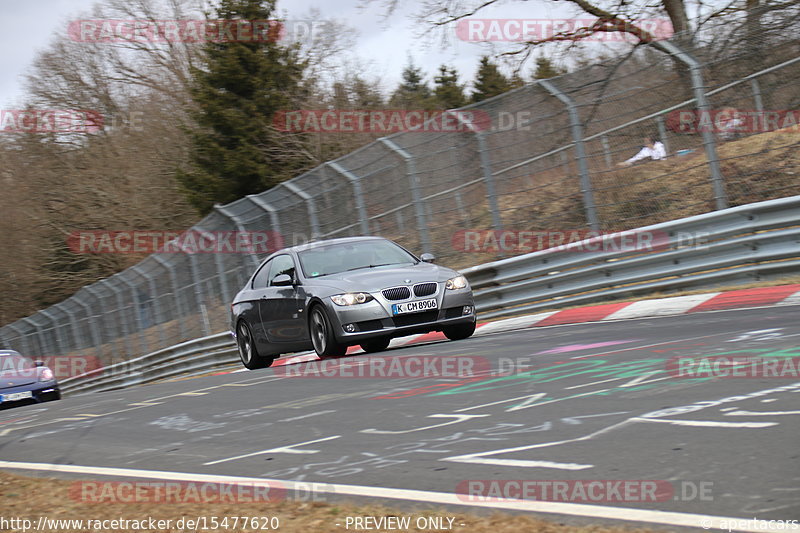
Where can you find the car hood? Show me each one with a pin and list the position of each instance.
(378, 278)
(11, 380)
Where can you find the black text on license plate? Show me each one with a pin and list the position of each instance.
(414, 307)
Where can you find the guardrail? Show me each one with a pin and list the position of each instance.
(745, 242)
(748, 242)
(204, 354)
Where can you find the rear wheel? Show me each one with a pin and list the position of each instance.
(375, 345)
(322, 335)
(247, 348)
(457, 333)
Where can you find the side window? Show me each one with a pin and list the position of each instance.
(283, 264)
(261, 279)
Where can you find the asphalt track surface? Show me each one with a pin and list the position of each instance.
(599, 403)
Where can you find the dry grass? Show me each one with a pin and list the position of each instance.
(28, 497)
(755, 168)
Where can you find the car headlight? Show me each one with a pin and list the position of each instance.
(458, 282)
(45, 374)
(351, 298)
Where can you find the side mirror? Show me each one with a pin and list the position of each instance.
(282, 280)
(427, 258)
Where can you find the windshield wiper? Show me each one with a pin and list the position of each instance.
(371, 266)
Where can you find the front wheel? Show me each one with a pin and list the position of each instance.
(322, 335)
(457, 333)
(247, 349)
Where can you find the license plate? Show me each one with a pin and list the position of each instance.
(14, 396)
(414, 307)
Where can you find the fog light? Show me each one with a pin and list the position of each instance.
(349, 328)
(467, 310)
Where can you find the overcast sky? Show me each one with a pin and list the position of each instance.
(26, 27)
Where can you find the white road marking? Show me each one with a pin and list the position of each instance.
(441, 498)
(537, 395)
(640, 380)
(523, 463)
(307, 416)
(762, 413)
(592, 383)
(458, 418)
(478, 458)
(527, 403)
(280, 449)
(707, 423)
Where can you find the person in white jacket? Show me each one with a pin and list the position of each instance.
(653, 149)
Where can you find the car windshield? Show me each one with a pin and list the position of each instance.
(341, 257)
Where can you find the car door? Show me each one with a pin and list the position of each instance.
(251, 312)
(282, 307)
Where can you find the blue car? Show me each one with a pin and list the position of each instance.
(24, 381)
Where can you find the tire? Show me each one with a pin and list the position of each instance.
(375, 345)
(247, 348)
(322, 334)
(460, 332)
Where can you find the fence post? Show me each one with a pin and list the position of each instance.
(413, 178)
(57, 336)
(198, 290)
(73, 324)
(310, 206)
(223, 282)
(22, 338)
(96, 340)
(43, 347)
(355, 181)
(486, 167)
(271, 211)
(755, 87)
(662, 133)
(158, 312)
(580, 152)
(173, 281)
(239, 226)
(709, 143)
(137, 311)
(126, 333)
(104, 315)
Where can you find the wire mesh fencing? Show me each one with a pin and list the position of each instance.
(523, 171)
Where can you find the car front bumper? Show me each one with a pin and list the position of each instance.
(374, 319)
(40, 392)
